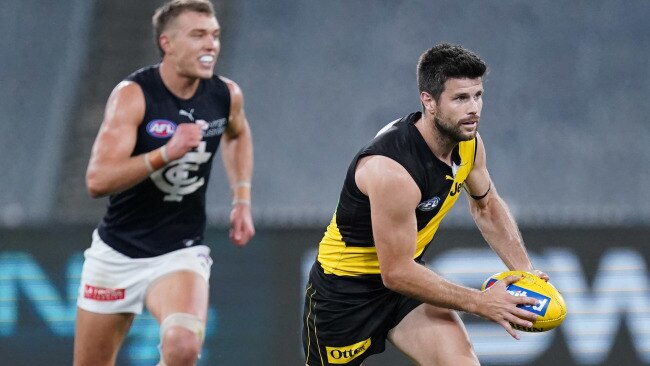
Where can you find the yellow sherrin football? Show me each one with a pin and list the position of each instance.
(551, 309)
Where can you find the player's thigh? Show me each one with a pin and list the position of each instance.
(178, 292)
(430, 335)
(98, 337)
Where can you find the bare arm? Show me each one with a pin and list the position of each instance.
(493, 218)
(237, 155)
(111, 168)
(393, 198)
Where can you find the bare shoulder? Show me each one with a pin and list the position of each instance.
(127, 89)
(126, 104)
(479, 160)
(478, 182)
(381, 176)
(233, 87)
(236, 97)
(479, 142)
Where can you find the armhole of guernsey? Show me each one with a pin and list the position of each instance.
(475, 143)
(475, 150)
(467, 151)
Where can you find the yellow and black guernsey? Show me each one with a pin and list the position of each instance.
(347, 248)
(348, 310)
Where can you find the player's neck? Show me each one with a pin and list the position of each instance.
(441, 145)
(179, 85)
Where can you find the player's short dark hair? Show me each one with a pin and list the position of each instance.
(445, 61)
(165, 14)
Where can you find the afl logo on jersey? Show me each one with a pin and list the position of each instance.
(161, 128)
(429, 204)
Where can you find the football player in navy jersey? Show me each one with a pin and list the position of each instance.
(152, 156)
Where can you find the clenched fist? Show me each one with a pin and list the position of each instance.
(187, 137)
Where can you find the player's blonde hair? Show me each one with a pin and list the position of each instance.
(168, 12)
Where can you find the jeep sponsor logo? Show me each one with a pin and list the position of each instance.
(456, 188)
(345, 354)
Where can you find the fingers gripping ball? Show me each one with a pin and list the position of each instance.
(551, 309)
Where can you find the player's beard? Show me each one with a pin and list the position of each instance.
(452, 130)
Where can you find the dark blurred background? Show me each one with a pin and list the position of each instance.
(564, 123)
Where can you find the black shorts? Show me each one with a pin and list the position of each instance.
(347, 319)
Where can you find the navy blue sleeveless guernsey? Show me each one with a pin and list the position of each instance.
(166, 211)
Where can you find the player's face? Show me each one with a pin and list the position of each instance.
(194, 44)
(459, 109)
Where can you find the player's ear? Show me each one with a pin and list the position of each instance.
(165, 42)
(428, 102)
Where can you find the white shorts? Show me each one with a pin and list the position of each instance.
(114, 283)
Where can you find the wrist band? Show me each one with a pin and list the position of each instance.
(242, 183)
(147, 163)
(241, 202)
(163, 154)
(241, 192)
(156, 159)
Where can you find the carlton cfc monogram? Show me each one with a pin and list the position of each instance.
(175, 180)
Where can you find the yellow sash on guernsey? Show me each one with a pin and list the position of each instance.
(337, 258)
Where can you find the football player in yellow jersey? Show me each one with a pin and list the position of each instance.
(368, 283)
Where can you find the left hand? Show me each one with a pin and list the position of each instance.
(541, 274)
(241, 224)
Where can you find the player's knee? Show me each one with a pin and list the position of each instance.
(180, 347)
(181, 337)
